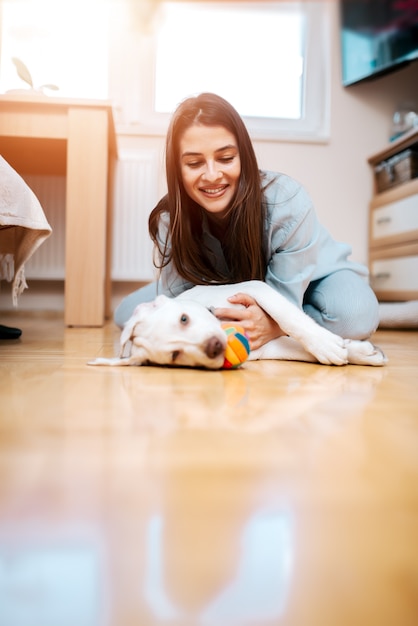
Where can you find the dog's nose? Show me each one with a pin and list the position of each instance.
(214, 347)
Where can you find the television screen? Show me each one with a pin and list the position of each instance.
(377, 37)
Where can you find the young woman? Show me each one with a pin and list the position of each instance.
(225, 221)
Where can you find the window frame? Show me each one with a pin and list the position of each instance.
(138, 117)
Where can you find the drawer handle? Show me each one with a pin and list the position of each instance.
(384, 220)
(381, 276)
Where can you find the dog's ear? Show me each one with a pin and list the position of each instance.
(144, 307)
(159, 301)
(137, 316)
(127, 334)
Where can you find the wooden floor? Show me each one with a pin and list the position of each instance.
(280, 493)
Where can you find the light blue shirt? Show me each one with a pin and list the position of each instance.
(299, 249)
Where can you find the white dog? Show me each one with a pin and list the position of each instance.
(182, 331)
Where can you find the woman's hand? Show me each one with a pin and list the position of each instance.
(258, 325)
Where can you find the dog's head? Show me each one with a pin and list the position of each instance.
(175, 332)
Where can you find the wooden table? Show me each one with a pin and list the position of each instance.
(43, 135)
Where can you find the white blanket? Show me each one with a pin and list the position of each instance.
(398, 315)
(23, 227)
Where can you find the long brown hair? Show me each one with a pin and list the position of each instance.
(243, 247)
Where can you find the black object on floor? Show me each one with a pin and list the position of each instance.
(6, 332)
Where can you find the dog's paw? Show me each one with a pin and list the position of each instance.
(365, 353)
(102, 361)
(327, 348)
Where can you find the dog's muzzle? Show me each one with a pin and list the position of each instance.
(214, 348)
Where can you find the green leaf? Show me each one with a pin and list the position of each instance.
(53, 87)
(23, 71)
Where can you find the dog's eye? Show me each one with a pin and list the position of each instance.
(184, 319)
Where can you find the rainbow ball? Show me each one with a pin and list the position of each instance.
(237, 347)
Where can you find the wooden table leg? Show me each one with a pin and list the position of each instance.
(86, 217)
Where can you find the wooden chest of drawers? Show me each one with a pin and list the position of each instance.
(393, 232)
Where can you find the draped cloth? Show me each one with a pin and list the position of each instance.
(23, 227)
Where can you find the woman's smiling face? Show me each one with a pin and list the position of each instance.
(210, 167)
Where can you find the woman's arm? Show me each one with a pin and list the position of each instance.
(259, 327)
(291, 240)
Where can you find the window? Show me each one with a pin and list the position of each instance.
(269, 59)
(191, 59)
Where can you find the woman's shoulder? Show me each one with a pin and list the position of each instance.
(276, 184)
(284, 196)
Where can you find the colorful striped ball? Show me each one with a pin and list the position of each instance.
(238, 346)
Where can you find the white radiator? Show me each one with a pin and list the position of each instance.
(135, 195)
(48, 262)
